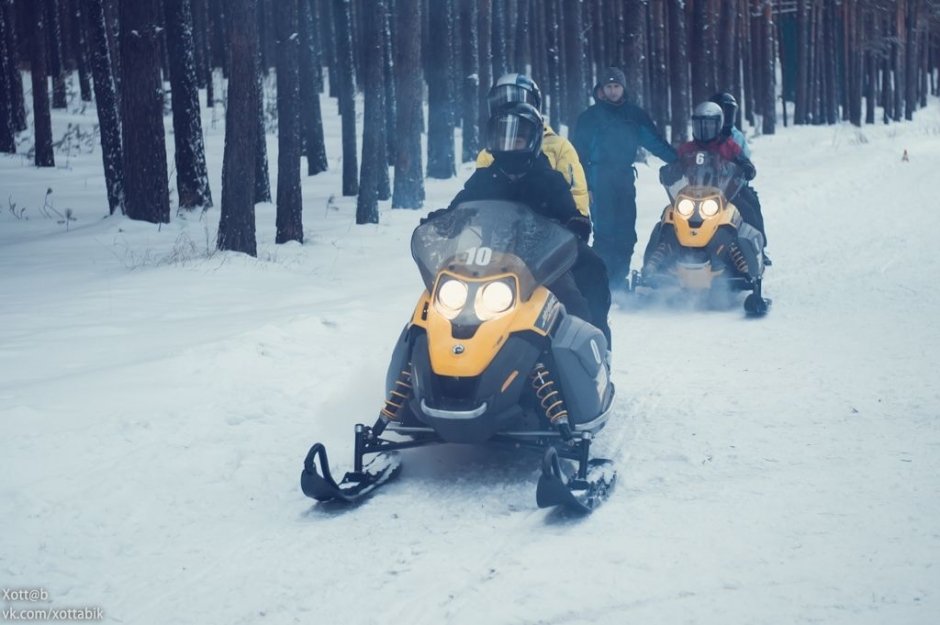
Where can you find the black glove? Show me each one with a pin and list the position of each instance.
(669, 174)
(747, 167)
(431, 215)
(581, 226)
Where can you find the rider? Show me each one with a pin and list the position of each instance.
(521, 173)
(746, 200)
(707, 136)
(560, 152)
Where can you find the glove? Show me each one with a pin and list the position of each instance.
(431, 215)
(747, 166)
(669, 174)
(581, 226)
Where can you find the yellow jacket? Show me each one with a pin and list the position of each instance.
(563, 158)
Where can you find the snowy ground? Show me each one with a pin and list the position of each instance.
(157, 399)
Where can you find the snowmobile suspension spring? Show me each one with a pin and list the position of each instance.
(737, 257)
(549, 398)
(398, 395)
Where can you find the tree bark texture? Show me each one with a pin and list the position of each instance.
(42, 115)
(441, 146)
(345, 68)
(192, 179)
(112, 151)
(289, 198)
(408, 191)
(237, 220)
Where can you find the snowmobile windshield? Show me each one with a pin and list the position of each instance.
(702, 173)
(485, 238)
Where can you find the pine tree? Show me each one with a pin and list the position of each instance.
(373, 132)
(146, 194)
(192, 179)
(237, 222)
(678, 72)
(409, 174)
(289, 199)
(112, 152)
(15, 84)
(441, 105)
(7, 140)
(42, 116)
(311, 119)
(345, 70)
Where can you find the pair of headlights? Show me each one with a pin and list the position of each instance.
(490, 299)
(707, 208)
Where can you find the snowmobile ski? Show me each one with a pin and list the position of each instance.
(318, 483)
(579, 493)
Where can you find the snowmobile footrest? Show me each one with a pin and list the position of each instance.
(581, 494)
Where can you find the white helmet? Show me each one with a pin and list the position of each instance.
(707, 120)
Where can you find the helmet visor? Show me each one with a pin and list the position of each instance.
(503, 94)
(705, 128)
(511, 133)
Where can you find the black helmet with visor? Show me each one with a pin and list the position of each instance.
(514, 136)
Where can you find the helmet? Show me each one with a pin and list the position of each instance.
(707, 119)
(513, 88)
(729, 107)
(514, 136)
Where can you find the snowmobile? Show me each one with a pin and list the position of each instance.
(701, 245)
(489, 356)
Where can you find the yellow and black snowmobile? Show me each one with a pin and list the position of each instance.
(701, 245)
(489, 356)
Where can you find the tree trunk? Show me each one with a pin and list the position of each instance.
(262, 177)
(727, 43)
(769, 66)
(311, 118)
(289, 198)
(56, 60)
(192, 179)
(636, 59)
(17, 100)
(440, 98)
(470, 85)
(523, 37)
(347, 101)
(373, 132)
(553, 38)
(80, 47)
(112, 152)
(485, 62)
(42, 116)
(237, 220)
(7, 139)
(500, 60)
(659, 77)
(146, 194)
(575, 48)
(678, 72)
(703, 57)
(409, 173)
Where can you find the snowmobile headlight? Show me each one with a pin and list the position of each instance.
(493, 299)
(709, 207)
(685, 207)
(451, 297)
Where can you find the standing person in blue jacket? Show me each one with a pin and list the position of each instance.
(607, 137)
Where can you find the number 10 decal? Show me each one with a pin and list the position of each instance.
(479, 256)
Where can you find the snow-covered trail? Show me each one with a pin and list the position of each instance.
(156, 406)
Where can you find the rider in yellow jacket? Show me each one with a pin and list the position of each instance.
(560, 152)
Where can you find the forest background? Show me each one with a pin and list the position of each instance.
(787, 62)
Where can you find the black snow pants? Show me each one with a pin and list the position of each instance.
(749, 206)
(590, 274)
(613, 212)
